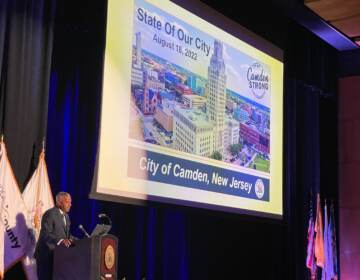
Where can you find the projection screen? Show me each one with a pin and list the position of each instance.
(191, 114)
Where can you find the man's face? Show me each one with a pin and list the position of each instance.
(65, 203)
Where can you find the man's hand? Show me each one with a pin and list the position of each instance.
(66, 242)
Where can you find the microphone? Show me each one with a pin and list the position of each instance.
(83, 230)
(103, 215)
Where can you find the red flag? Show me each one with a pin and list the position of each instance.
(319, 238)
(310, 259)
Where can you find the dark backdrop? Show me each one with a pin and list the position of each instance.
(26, 41)
(161, 241)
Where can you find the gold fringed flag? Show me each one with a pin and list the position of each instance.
(38, 198)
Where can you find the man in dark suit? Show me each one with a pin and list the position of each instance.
(55, 231)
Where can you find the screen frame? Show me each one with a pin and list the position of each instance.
(227, 25)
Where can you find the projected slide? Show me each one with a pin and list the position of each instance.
(190, 114)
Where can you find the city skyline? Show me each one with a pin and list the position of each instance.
(203, 128)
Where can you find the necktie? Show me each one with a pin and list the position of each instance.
(64, 219)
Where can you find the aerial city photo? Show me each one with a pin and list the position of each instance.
(173, 107)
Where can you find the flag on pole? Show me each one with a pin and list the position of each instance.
(319, 237)
(332, 229)
(15, 236)
(310, 257)
(328, 266)
(37, 198)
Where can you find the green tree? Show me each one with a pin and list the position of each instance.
(216, 155)
(235, 149)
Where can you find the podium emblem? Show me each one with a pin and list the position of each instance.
(109, 257)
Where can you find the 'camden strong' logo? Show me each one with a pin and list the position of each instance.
(258, 80)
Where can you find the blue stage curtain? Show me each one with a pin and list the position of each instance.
(152, 240)
(168, 242)
(161, 241)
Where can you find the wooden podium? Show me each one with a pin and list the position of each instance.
(89, 259)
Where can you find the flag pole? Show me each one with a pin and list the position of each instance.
(43, 144)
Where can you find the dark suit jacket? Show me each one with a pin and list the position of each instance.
(52, 231)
